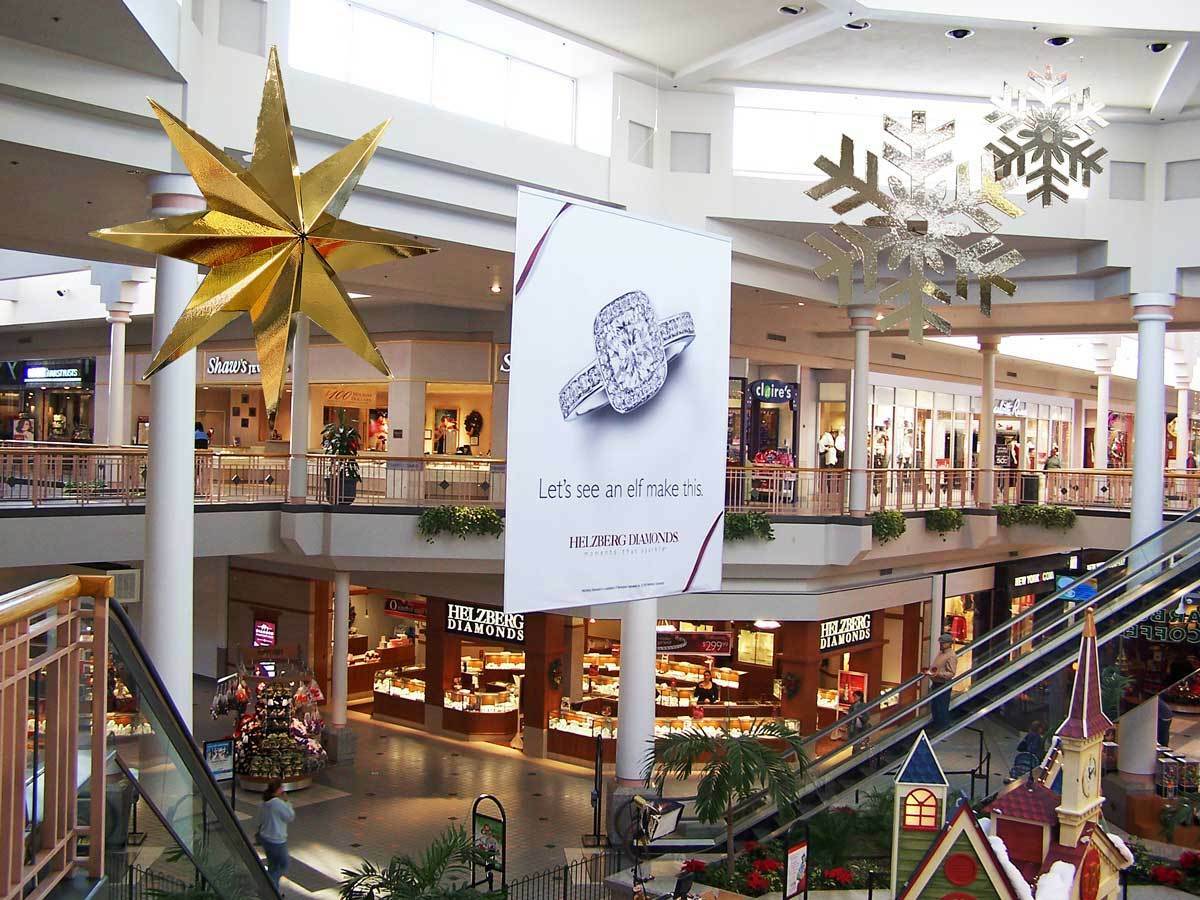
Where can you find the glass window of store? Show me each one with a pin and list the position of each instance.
(458, 419)
(734, 440)
(831, 425)
(773, 422)
(49, 400)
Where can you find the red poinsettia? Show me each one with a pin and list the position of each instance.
(1189, 859)
(694, 866)
(1166, 875)
(755, 882)
(767, 865)
(841, 875)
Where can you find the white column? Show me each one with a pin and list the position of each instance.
(862, 320)
(1137, 739)
(298, 474)
(937, 613)
(987, 424)
(1105, 350)
(341, 649)
(1182, 423)
(171, 477)
(635, 712)
(118, 317)
(1151, 311)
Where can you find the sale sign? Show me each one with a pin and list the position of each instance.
(695, 643)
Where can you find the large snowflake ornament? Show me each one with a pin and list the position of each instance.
(921, 225)
(1044, 131)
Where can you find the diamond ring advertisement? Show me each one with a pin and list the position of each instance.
(632, 353)
(618, 400)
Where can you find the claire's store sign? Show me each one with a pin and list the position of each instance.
(486, 622)
(846, 631)
(769, 391)
(231, 365)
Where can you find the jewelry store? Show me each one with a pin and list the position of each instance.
(48, 400)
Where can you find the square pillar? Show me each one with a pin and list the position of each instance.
(800, 658)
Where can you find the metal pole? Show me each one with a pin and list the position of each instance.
(871, 885)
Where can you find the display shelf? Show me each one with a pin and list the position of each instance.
(506, 662)
(483, 702)
(398, 707)
(588, 724)
(694, 672)
(387, 681)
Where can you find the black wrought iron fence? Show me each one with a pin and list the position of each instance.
(582, 880)
(142, 884)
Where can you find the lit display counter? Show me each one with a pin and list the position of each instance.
(694, 672)
(398, 697)
(360, 675)
(481, 715)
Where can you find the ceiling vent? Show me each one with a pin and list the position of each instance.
(780, 338)
(899, 356)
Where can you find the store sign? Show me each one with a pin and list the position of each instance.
(502, 362)
(1010, 406)
(237, 365)
(598, 508)
(1167, 627)
(773, 391)
(1033, 579)
(486, 622)
(52, 373)
(695, 643)
(404, 609)
(349, 397)
(264, 633)
(846, 631)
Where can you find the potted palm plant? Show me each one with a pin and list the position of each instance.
(342, 441)
(767, 757)
(447, 859)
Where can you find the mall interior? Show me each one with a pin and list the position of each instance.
(200, 600)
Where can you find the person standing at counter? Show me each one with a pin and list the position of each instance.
(707, 691)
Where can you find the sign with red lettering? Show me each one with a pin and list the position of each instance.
(264, 633)
(404, 609)
(695, 643)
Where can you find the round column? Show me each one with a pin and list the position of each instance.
(298, 474)
(341, 649)
(635, 712)
(171, 476)
(1183, 423)
(118, 317)
(1151, 311)
(986, 460)
(862, 320)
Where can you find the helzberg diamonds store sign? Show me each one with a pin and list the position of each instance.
(483, 621)
(845, 632)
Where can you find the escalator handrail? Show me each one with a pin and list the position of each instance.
(184, 744)
(1051, 600)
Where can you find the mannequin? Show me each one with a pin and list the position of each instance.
(827, 448)
(839, 444)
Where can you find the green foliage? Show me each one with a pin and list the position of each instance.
(732, 769)
(1182, 810)
(341, 439)
(1052, 518)
(841, 834)
(441, 872)
(460, 521)
(887, 525)
(742, 525)
(1113, 683)
(943, 521)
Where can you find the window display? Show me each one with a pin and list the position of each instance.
(756, 648)
(831, 425)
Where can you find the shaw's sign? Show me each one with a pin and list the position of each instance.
(237, 366)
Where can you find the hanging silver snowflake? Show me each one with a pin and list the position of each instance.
(1044, 132)
(922, 226)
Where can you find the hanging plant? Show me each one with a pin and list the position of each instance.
(739, 526)
(943, 521)
(473, 423)
(887, 525)
(461, 521)
(1048, 516)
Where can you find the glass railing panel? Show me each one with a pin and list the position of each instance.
(156, 756)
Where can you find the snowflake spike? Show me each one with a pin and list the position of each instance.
(841, 175)
(866, 249)
(838, 262)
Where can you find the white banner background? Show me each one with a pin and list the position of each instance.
(624, 543)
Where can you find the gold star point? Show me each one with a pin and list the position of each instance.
(272, 238)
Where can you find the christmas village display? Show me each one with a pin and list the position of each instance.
(278, 732)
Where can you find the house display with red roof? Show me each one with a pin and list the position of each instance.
(1039, 844)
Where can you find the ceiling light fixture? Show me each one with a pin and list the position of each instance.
(791, 10)
(768, 624)
(1158, 46)
(960, 34)
(496, 287)
(857, 25)
(1059, 41)
(878, 317)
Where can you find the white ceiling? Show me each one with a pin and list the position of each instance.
(918, 57)
(666, 33)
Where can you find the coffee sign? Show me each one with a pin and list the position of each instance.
(694, 643)
(485, 622)
(846, 631)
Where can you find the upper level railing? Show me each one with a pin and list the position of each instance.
(38, 474)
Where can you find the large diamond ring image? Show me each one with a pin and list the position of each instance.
(632, 352)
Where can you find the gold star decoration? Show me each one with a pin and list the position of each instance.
(271, 239)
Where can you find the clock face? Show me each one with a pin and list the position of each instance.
(1089, 778)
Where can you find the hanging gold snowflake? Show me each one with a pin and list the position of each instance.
(1044, 132)
(922, 226)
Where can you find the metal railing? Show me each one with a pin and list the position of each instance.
(40, 474)
(581, 880)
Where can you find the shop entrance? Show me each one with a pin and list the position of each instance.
(773, 424)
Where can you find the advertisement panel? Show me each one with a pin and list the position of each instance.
(617, 407)
(797, 870)
(695, 643)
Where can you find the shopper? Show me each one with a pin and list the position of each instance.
(201, 437)
(1031, 751)
(273, 830)
(856, 721)
(941, 671)
(1053, 461)
(1165, 715)
(707, 691)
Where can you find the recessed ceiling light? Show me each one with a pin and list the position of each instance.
(769, 624)
(858, 25)
(791, 10)
(1158, 46)
(799, 302)
(960, 34)
(496, 287)
(1059, 41)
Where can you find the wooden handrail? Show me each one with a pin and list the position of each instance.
(36, 598)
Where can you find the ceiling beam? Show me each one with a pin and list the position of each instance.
(1180, 83)
(799, 30)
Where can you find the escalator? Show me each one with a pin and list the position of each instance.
(1011, 659)
(187, 841)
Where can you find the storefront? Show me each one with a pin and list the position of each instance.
(833, 393)
(1120, 440)
(48, 400)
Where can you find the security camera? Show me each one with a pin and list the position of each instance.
(959, 34)
(62, 292)
(1158, 46)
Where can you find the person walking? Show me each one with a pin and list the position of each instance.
(1031, 751)
(941, 671)
(273, 830)
(856, 721)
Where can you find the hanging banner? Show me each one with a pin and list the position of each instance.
(694, 643)
(616, 449)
